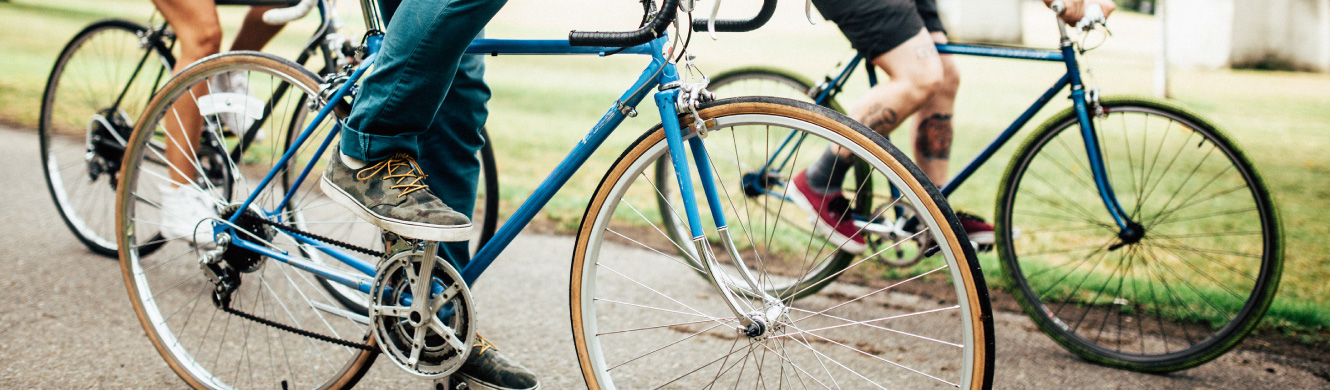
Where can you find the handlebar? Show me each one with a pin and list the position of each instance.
(281, 16)
(650, 30)
(739, 25)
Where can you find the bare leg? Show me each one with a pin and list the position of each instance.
(200, 35)
(916, 73)
(932, 137)
(254, 33)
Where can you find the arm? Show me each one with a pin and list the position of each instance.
(1076, 9)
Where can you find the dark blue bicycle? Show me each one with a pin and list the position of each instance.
(1133, 231)
(273, 300)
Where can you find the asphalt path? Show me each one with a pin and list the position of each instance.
(65, 321)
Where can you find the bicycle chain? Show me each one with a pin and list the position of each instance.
(302, 332)
(226, 307)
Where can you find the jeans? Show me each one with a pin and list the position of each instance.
(425, 98)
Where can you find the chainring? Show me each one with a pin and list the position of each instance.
(429, 339)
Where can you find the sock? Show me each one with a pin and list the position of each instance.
(828, 172)
(352, 162)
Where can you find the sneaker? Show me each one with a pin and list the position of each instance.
(235, 123)
(392, 195)
(979, 231)
(487, 369)
(184, 209)
(833, 220)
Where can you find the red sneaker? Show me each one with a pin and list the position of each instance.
(980, 232)
(834, 220)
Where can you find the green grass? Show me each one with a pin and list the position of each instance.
(543, 106)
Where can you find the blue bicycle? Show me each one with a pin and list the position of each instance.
(274, 301)
(1133, 231)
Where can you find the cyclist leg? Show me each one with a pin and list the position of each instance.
(448, 148)
(184, 203)
(254, 33)
(424, 100)
(893, 35)
(378, 177)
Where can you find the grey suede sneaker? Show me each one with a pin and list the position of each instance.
(487, 369)
(391, 195)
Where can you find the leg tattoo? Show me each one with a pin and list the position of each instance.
(933, 140)
(883, 119)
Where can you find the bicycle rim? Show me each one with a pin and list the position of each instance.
(643, 319)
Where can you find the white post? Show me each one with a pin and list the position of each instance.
(1161, 58)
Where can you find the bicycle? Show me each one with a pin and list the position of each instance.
(107, 74)
(270, 267)
(1098, 228)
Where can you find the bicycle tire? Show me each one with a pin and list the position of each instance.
(166, 284)
(84, 193)
(603, 312)
(1212, 296)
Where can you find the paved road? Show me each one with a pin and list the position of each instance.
(67, 322)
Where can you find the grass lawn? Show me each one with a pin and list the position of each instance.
(543, 106)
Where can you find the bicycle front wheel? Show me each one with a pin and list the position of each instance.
(175, 295)
(641, 317)
(1194, 278)
(100, 83)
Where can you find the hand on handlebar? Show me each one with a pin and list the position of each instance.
(1074, 10)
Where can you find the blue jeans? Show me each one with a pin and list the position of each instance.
(425, 98)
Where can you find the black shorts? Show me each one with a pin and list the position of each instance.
(875, 27)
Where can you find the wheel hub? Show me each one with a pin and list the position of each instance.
(242, 259)
(1132, 234)
(104, 148)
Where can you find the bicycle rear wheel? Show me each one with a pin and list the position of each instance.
(1195, 279)
(643, 319)
(173, 296)
(100, 83)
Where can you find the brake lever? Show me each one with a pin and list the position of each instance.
(711, 23)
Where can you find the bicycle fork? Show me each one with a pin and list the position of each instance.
(755, 321)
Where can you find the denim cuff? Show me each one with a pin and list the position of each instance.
(373, 147)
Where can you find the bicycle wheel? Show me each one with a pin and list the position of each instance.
(99, 85)
(766, 81)
(642, 319)
(174, 295)
(1193, 282)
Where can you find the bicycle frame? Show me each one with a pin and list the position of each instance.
(658, 72)
(823, 93)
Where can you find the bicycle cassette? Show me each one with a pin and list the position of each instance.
(430, 337)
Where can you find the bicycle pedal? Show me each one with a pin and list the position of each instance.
(448, 383)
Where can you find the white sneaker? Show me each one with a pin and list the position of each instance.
(183, 208)
(236, 82)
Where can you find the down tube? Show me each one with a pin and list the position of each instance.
(547, 188)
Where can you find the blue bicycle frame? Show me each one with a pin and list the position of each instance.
(1067, 55)
(658, 72)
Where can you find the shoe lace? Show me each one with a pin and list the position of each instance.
(391, 169)
(484, 344)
